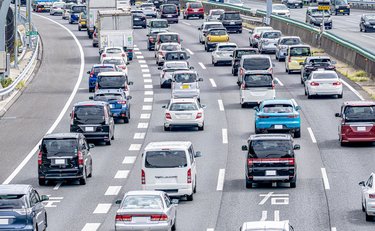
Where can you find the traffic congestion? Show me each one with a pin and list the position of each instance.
(183, 118)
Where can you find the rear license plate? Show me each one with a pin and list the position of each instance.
(361, 129)
(341, 10)
(278, 126)
(89, 129)
(60, 161)
(271, 173)
(169, 16)
(185, 86)
(4, 221)
(296, 4)
(136, 19)
(140, 219)
(196, 10)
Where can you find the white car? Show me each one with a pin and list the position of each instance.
(255, 35)
(163, 48)
(169, 68)
(280, 10)
(66, 10)
(323, 82)
(268, 40)
(368, 197)
(111, 52)
(267, 225)
(187, 112)
(223, 53)
(203, 29)
(185, 84)
(57, 8)
(148, 9)
(118, 61)
(214, 14)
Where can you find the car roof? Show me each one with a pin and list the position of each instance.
(245, 49)
(62, 135)
(109, 91)
(188, 71)
(144, 192)
(183, 100)
(111, 73)
(158, 19)
(318, 57)
(289, 37)
(117, 47)
(104, 65)
(226, 44)
(213, 23)
(260, 72)
(170, 43)
(255, 56)
(168, 33)
(270, 137)
(277, 101)
(168, 145)
(231, 12)
(90, 103)
(264, 225)
(359, 103)
(14, 188)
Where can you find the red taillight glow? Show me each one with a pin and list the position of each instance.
(123, 217)
(292, 116)
(121, 102)
(40, 158)
(243, 86)
(257, 36)
(314, 84)
(159, 217)
(80, 158)
(168, 116)
(143, 177)
(199, 115)
(72, 117)
(189, 176)
(338, 83)
(371, 196)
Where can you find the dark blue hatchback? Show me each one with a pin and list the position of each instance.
(74, 13)
(95, 70)
(21, 208)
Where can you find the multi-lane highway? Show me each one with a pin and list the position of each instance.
(327, 195)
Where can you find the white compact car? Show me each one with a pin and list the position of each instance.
(57, 8)
(167, 70)
(110, 52)
(267, 225)
(255, 35)
(185, 84)
(170, 166)
(368, 197)
(323, 82)
(267, 41)
(281, 10)
(223, 53)
(184, 113)
(118, 61)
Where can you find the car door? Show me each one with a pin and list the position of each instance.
(170, 209)
(38, 210)
(367, 188)
(193, 165)
(83, 148)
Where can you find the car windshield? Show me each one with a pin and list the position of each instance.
(216, 12)
(159, 24)
(59, 147)
(210, 26)
(89, 113)
(171, 9)
(166, 159)
(176, 65)
(300, 51)
(370, 17)
(290, 41)
(183, 107)
(279, 7)
(111, 81)
(317, 13)
(256, 64)
(277, 108)
(359, 114)
(185, 77)
(117, 62)
(196, 5)
(235, 16)
(331, 75)
(271, 35)
(341, 2)
(226, 48)
(142, 202)
(78, 9)
(218, 32)
(258, 80)
(271, 149)
(168, 38)
(113, 50)
(97, 70)
(108, 97)
(13, 201)
(83, 16)
(176, 56)
(170, 47)
(239, 53)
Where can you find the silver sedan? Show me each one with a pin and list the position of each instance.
(146, 210)
(223, 54)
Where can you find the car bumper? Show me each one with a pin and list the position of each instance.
(185, 95)
(223, 59)
(96, 135)
(319, 91)
(184, 123)
(195, 15)
(268, 48)
(171, 190)
(233, 28)
(121, 226)
(120, 113)
(271, 125)
(358, 139)
(370, 208)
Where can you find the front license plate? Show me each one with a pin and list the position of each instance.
(296, 4)
(4, 221)
(271, 173)
(60, 161)
(232, 23)
(89, 129)
(361, 129)
(169, 16)
(278, 126)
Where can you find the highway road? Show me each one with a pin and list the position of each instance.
(327, 195)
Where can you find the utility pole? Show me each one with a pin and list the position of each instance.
(28, 17)
(269, 12)
(15, 34)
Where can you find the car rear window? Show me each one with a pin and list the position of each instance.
(166, 159)
(78, 9)
(168, 38)
(325, 76)
(218, 32)
(271, 149)
(113, 50)
(227, 48)
(271, 35)
(107, 97)
(185, 77)
(239, 53)
(258, 80)
(277, 108)
(170, 47)
(290, 41)
(313, 61)
(176, 56)
(113, 61)
(97, 70)
(234, 16)
(359, 114)
(183, 107)
(142, 202)
(59, 147)
(210, 26)
(171, 9)
(111, 81)
(89, 113)
(300, 51)
(159, 24)
(256, 64)
(196, 5)
(13, 201)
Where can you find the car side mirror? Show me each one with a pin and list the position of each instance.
(129, 97)
(198, 154)
(337, 114)
(231, 56)
(118, 202)
(250, 31)
(175, 201)
(91, 98)
(298, 108)
(256, 108)
(199, 28)
(131, 83)
(203, 106)
(362, 183)
(244, 147)
(296, 147)
(88, 72)
(44, 198)
(200, 79)
(91, 146)
(191, 68)
(302, 63)
(160, 68)
(163, 106)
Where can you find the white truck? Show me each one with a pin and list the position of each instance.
(92, 7)
(114, 28)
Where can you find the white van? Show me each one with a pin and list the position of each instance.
(256, 86)
(170, 167)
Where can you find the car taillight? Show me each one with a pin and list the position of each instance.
(72, 117)
(143, 177)
(201, 10)
(189, 176)
(123, 217)
(338, 83)
(256, 36)
(168, 116)
(189, 9)
(263, 116)
(273, 85)
(126, 88)
(314, 84)
(291, 161)
(121, 102)
(104, 55)
(249, 162)
(292, 116)
(209, 38)
(40, 158)
(199, 115)
(159, 217)
(80, 159)
(371, 196)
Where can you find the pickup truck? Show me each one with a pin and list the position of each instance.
(215, 36)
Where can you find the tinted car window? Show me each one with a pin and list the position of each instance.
(59, 147)
(113, 50)
(97, 70)
(183, 107)
(271, 35)
(166, 159)
(278, 108)
(113, 61)
(313, 61)
(290, 41)
(170, 47)
(107, 97)
(13, 201)
(169, 9)
(300, 51)
(111, 81)
(218, 32)
(78, 9)
(142, 202)
(258, 80)
(196, 5)
(239, 53)
(231, 16)
(271, 149)
(176, 56)
(168, 38)
(185, 77)
(359, 113)
(159, 24)
(256, 64)
(89, 114)
(325, 76)
(226, 48)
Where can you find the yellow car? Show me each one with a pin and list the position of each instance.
(82, 21)
(215, 36)
(296, 55)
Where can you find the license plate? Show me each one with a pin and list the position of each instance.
(361, 129)
(4, 221)
(341, 10)
(169, 16)
(136, 19)
(89, 129)
(232, 23)
(296, 4)
(271, 173)
(60, 161)
(185, 86)
(373, 27)
(195, 10)
(278, 126)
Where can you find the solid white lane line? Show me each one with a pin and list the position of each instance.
(186, 23)
(121, 174)
(63, 111)
(190, 52)
(147, 107)
(213, 83)
(137, 52)
(142, 125)
(367, 36)
(112, 191)
(353, 90)
(145, 116)
(264, 216)
(220, 180)
(139, 136)
(135, 147)
(129, 160)
(202, 66)
(294, 101)
(277, 215)
(224, 133)
(221, 105)
(279, 82)
(102, 208)
(333, 229)
(91, 227)
(311, 135)
(325, 179)
(136, 48)
(145, 70)
(149, 92)
(148, 86)
(147, 80)
(57, 186)
(146, 75)
(148, 100)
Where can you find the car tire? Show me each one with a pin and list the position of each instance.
(368, 217)
(201, 128)
(243, 105)
(90, 175)
(108, 142)
(340, 96)
(190, 197)
(174, 225)
(363, 207)
(42, 182)
(289, 72)
(83, 180)
(195, 186)
(257, 131)
(248, 183)
(302, 81)
(297, 134)
(167, 128)
(79, 29)
(126, 120)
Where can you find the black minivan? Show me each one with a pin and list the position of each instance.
(64, 156)
(94, 120)
(169, 12)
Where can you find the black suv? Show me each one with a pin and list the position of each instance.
(314, 63)
(270, 158)
(232, 21)
(93, 119)
(64, 156)
(237, 54)
(169, 12)
(176, 2)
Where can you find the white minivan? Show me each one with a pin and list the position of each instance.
(170, 166)
(256, 86)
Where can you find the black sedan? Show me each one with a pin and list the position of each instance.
(139, 19)
(367, 23)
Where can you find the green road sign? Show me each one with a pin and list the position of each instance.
(32, 33)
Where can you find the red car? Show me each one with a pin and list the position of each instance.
(357, 122)
(194, 9)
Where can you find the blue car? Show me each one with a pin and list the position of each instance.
(21, 208)
(74, 13)
(119, 103)
(278, 115)
(94, 72)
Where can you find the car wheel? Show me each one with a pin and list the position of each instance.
(340, 96)
(302, 81)
(79, 29)
(41, 182)
(174, 225)
(201, 128)
(369, 218)
(243, 105)
(309, 96)
(289, 72)
(126, 120)
(167, 128)
(190, 197)
(108, 142)
(83, 180)
(360, 29)
(248, 183)
(293, 184)
(297, 133)
(363, 207)
(90, 175)
(195, 186)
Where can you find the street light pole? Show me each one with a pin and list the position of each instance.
(15, 34)
(269, 12)
(28, 16)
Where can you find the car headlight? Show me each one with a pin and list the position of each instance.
(367, 23)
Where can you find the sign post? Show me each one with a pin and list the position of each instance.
(323, 8)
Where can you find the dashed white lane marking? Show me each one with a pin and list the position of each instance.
(129, 159)
(149, 92)
(224, 133)
(277, 215)
(213, 83)
(220, 180)
(91, 227)
(135, 147)
(186, 23)
(142, 125)
(141, 61)
(210, 229)
(56, 198)
(311, 135)
(148, 86)
(140, 57)
(148, 100)
(144, 66)
(294, 101)
(279, 82)
(145, 116)
(145, 70)
(264, 216)
(325, 179)
(102, 208)
(136, 49)
(353, 90)
(146, 75)
(221, 105)
(139, 136)
(137, 52)
(147, 80)
(333, 229)
(190, 52)
(147, 107)
(112, 191)
(57, 186)
(122, 174)
(202, 66)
